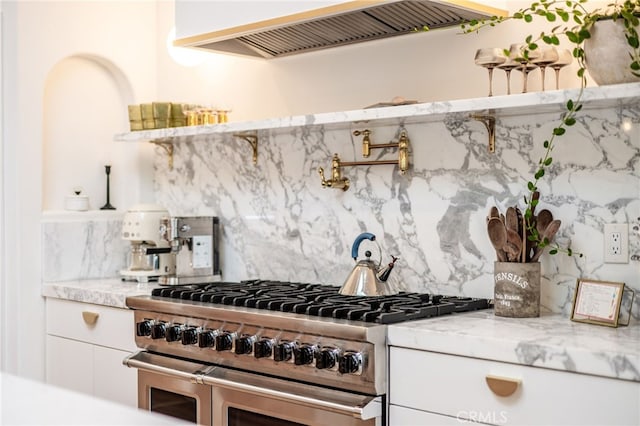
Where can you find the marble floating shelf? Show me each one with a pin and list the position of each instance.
(498, 106)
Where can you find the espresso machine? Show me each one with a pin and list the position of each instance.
(194, 249)
(150, 255)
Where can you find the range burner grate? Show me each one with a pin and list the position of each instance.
(323, 300)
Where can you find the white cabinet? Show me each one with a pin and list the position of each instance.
(85, 347)
(455, 387)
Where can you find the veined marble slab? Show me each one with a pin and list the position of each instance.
(108, 292)
(526, 103)
(550, 341)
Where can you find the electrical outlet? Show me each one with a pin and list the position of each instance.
(616, 243)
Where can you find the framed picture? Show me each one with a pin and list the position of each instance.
(597, 302)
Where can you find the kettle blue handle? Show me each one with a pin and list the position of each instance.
(359, 239)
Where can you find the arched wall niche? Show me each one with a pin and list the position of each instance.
(85, 103)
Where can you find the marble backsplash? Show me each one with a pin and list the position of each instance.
(78, 246)
(279, 223)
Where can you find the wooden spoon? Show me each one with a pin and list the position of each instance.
(543, 220)
(498, 236)
(512, 219)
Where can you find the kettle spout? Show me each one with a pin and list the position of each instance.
(384, 274)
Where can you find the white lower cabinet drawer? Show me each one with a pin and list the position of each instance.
(97, 324)
(456, 386)
(403, 416)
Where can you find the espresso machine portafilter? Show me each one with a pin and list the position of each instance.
(194, 249)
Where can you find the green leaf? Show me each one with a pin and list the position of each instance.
(635, 65)
(569, 252)
(559, 131)
(584, 34)
(539, 173)
(528, 18)
(551, 17)
(553, 251)
(548, 161)
(570, 121)
(569, 104)
(531, 186)
(573, 37)
(581, 72)
(518, 15)
(555, 40)
(578, 108)
(546, 144)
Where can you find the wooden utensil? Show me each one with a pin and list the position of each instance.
(511, 219)
(498, 236)
(515, 248)
(543, 220)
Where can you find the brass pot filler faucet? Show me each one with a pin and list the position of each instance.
(339, 182)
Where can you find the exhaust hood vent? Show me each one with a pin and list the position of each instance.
(387, 19)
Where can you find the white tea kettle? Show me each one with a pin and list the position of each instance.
(367, 278)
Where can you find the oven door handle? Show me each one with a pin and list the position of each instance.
(362, 407)
(178, 368)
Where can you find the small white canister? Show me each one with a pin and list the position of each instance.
(76, 202)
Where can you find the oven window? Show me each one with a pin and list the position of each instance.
(174, 404)
(237, 417)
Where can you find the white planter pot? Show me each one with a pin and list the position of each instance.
(607, 53)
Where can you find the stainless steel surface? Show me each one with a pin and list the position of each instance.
(366, 339)
(194, 249)
(255, 386)
(367, 278)
(351, 22)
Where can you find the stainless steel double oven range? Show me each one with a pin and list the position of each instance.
(267, 353)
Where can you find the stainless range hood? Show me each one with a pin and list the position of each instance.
(338, 25)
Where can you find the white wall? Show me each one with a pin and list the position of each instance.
(37, 36)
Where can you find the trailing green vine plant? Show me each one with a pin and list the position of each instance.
(575, 24)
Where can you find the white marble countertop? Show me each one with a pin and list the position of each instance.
(550, 341)
(27, 402)
(108, 291)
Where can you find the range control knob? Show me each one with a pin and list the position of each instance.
(174, 333)
(190, 336)
(224, 341)
(326, 358)
(244, 344)
(283, 351)
(304, 354)
(263, 348)
(158, 330)
(143, 328)
(350, 363)
(207, 338)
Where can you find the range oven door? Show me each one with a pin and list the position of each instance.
(218, 396)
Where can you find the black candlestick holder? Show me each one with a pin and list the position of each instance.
(107, 206)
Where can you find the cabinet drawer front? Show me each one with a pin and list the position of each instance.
(101, 325)
(457, 386)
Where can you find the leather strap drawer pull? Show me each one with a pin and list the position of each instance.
(90, 318)
(502, 386)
